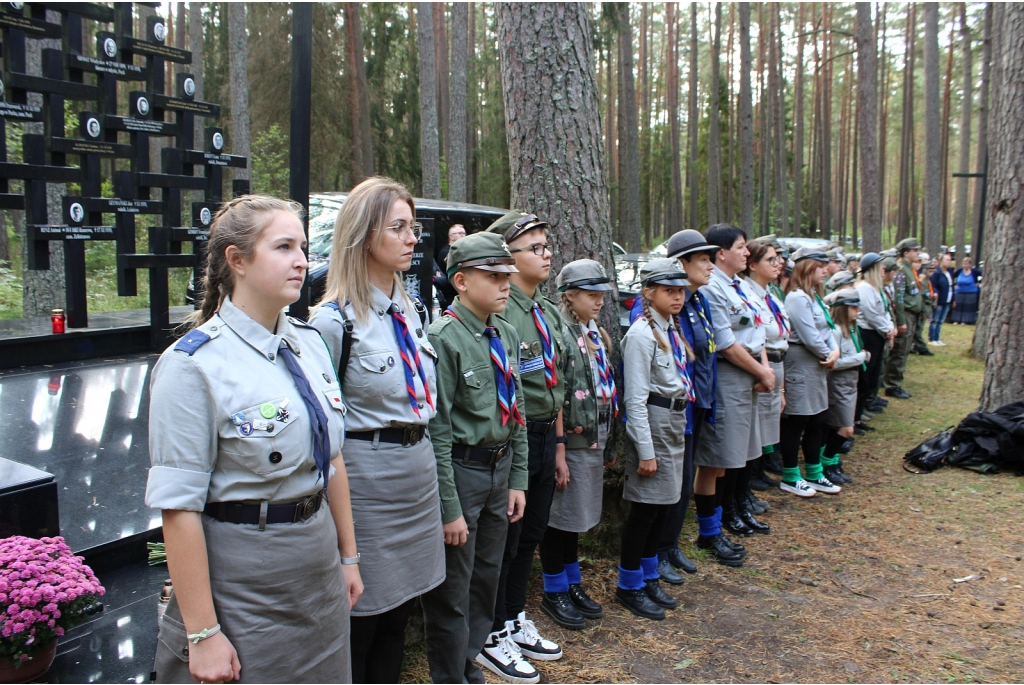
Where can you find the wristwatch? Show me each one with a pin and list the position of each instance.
(561, 440)
(351, 561)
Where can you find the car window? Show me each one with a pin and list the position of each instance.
(322, 214)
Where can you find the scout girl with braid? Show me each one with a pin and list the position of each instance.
(842, 380)
(654, 355)
(390, 390)
(590, 405)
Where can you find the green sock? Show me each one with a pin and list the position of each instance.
(767, 449)
(830, 461)
(813, 472)
(790, 475)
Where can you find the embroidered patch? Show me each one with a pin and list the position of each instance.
(532, 364)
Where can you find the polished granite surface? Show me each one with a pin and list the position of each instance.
(87, 424)
(14, 476)
(41, 325)
(118, 645)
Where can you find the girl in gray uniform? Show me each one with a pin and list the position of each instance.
(812, 352)
(842, 379)
(654, 356)
(369, 321)
(245, 423)
(590, 405)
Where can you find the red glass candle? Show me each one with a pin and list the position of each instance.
(57, 319)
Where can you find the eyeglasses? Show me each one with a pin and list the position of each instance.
(774, 260)
(400, 228)
(537, 248)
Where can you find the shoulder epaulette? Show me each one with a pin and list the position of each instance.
(332, 305)
(302, 324)
(192, 341)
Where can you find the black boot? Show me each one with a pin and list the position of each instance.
(679, 560)
(720, 550)
(734, 546)
(773, 463)
(562, 611)
(731, 520)
(653, 589)
(839, 467)
(755, 505)
(638, 602)
(588, 607)
(748, 518)
(846, 446)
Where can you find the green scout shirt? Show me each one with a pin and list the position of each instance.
(579, 413)
(908, 294)
(467, 399)
(542, 402)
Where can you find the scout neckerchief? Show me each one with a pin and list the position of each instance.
(502, 375)
(680, 358)
(858, 343)
(824, 309)
(780, 318)
(750, 305)
(550, 375)
(698, 306)
(608, 390)
(410, 354)
(317, 418)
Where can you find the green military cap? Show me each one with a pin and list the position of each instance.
(852, 258)
(891, 252)
(839, 279)
(848, 297)
(890, 263)
(484, 251)
(514, 224)
(835, 255)
(906, 245)
(583, 274)
(809, 253)
(663, 271)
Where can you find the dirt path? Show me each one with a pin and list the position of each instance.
(858, 587)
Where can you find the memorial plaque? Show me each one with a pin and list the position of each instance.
(110, 205)
(205, 109)
(120, 70)
(14, 110)
(134, 125)
(36, 232)
(72, 146)
(34, 27)
(170, 54)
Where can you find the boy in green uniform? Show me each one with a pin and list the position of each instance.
(479, 439)
(539, 324)
(908, 303)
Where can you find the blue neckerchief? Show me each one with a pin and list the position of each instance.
(547, 346)
(317, 418)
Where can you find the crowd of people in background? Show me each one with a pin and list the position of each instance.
(474, 441)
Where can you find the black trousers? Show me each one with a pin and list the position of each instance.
(526, 534)
(378, 644)
(806, 431)
(676, 515)
(869, 378)
(558, 548)
(641, 533)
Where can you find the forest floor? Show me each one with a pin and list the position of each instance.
(856, 587)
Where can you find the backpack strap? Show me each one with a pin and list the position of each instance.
(421, 308)
(346, 341)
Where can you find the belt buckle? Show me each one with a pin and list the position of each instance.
(678, 404)
(412, 435)
(498, 454)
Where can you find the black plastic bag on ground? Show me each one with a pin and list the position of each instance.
(986, 441)
(930, 454)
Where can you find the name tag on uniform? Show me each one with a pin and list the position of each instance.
(532, 364)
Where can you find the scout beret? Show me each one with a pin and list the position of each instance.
(809, 253)
(848, 297)
(839, 279)
(663, 271)
(688, 242)
(514, 224)
(485, 251)
(584, 274)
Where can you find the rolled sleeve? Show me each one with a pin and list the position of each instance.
(182, 435)
(637, 353)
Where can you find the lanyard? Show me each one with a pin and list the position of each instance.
(824, 309)
(705, 324)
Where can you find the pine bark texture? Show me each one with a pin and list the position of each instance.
(692, 125)
(238, 56)
(359, 98)
(629, 143)
(1002, 297)
(960, 218)
(781, 213)
(746, 125)
(429, 150)
(867, 135)
(932, 134)
(456, 157)
(714, 133)
(983, 115)
(195, 46)
(675, 215)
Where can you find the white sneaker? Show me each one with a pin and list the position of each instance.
(801, 488)
(939, 343)
(825, 485)
(501, 656)
(523, 633)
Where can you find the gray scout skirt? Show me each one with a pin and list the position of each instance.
(577, 509)
(668, 430)
(842, 397)
(769, 408)
(280, 598)
(806, 383)
(734, 438)
(397, 520)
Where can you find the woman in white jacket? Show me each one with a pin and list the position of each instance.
(876, 327)
(842, 380)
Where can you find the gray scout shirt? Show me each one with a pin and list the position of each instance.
(734, 320)
(872, 313)
(375, 390)
(809, 326)
(774, 340)
(647, 369)
(226, 422)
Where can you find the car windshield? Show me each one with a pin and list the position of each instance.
(627, 271)
(322, 214)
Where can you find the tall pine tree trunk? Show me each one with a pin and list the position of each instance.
(983, 117)
(798, 124)
(692, 124)
(944, 127)
(867, 118)
(781, 214)
(195, 46)
(714, 133)
(456, 157)
(932, 135)
(238, 55)
(359, 98)
(429, 150)
(907, 132)
(1002, 298)
(629, 145)
(746, 125)
(960, 220)
(441, 60)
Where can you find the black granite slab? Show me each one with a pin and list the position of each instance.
(41, 326)
(87, 424)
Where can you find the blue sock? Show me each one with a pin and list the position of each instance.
(572, 573)
(708, 526)
(649, 565)
(555, 582)
(631, 580)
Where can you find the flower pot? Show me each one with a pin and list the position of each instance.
(31, 669)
